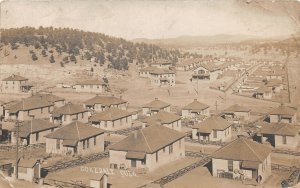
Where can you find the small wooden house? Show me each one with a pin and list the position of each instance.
(155, 106)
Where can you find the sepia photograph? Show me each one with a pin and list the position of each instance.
(149, 93)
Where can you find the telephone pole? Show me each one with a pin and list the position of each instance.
(17, 149)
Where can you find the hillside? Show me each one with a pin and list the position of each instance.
(74, 44)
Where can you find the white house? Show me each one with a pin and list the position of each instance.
(91, 86)
(28, 169)
(284, 114)
(164, 118)
(213, 128)
(194, 109)
(112, 119)
(207, 71)
(244, 159)
(147, 148)
(102, 103)
(68, 113)
(155, 106)
(75, 138)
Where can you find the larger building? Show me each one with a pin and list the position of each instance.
(15, 84)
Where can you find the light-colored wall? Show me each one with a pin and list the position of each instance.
(222, 135)
(176, 125)
(155, 79)
(189, 114)
(113, 125)
(42, 138)
(89, 88)
(291, 142)
(118, 157)
(43, 112)
(148, 111)
(11, 86)
(277, 119)
(99, 147)
(100, 108)
(67, 119)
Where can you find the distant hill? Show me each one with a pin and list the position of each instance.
(197, 41)
(117, 52)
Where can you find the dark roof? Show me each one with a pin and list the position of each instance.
(110, 115)
(156, 104)
(243, 149)
(33, 126)
(74, 132)
(29, 104)
(284, 110)
(237, 108)
(195, 105)
(161, 117)
(48, 97)
(91, 82)
(105, 100)
(148, 140)
(69, 109)
(284, 129)
(15, 78)
(212, 123)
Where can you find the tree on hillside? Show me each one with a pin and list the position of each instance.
(52, 60)
(44, 53)
(73, 58)
(34, 57)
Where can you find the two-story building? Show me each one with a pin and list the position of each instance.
(194, 109)
(75, 138)
(206, 71)
(29, 108)
(242, 159)
(102, 103)
(213, 128)
(69, 113)
(164, 118)
(162, 77)
(147, 148)
(15, 84)
(154, 107)
(112, 119)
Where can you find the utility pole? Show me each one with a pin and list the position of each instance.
(17, 149)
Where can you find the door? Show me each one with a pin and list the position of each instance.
(254, 174)
(133, 163)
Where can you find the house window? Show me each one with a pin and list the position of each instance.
(215, 133)
(157, 156)
(37, 137)
(230, 165)
(95, 141)
(283, 139)
(83, 144)
(164, 149)
(105, 124)
(171, 149)
(179, 143)
(113, 123)
(49, 109)
(41, 110)
(82, 115)
(87, 143)
(65, 118)
(57, 144)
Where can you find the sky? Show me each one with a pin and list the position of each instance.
(151, 19)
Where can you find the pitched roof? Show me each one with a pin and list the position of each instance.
(284, 110)
(284, 129)
(74, 132)
(33, 126)
(212, 123)
(110, 115)
(243, 149)
(161, 71)
(105, 100)
(48, 97)
(161, 117)
(69, 109)
(27, 163)
(156, 104)
(91, 82)
(195, 105)
(29, 104)
(237, 108)
(15, 78)
(148, 140)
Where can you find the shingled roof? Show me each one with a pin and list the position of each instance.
(283, 129)
(34, 126)
(212, 123)
(243, 149)
(156, 104)
(15, 78)
(196, 106)
(237, 108)
(161, 117)
(69, 109)
(29, 104)
(110, 115)
(148, 140)
(284, 110)
(48, 97)
(74, 132)
(105, 100)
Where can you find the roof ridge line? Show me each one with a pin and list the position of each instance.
(251, 149)
(146, 140)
